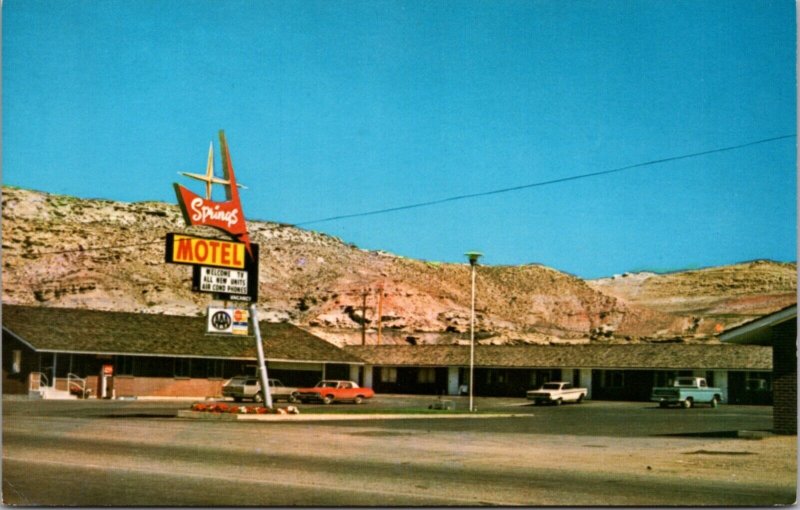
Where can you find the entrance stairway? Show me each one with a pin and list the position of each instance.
(40, 389)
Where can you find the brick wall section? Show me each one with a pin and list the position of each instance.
(166, 387)
(784, 386)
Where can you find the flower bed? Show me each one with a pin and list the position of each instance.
(221, 407)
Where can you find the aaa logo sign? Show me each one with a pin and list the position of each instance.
(231, 321)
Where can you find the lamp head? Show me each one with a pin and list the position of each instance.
(473, 257)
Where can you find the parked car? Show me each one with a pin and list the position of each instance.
(686, 392)
(334, 391)
(557, 393)
(247, 387)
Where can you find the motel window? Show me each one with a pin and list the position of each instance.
(16, 361)
(664, 378)
(216, 368)
(183, 367)
(539, 377)
(614, 379)
(124, 365)
(426, 375)
(758, 381)
(388, 374)
(153, 366)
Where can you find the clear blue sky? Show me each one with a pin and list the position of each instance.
(338, 107)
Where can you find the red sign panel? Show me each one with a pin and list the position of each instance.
(226, 216)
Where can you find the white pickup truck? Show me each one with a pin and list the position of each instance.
(557, 393)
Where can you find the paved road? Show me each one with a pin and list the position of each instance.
(134, 453)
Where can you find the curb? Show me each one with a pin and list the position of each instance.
(198, 415)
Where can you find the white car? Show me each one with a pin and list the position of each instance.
(248, 387)
(557, 393)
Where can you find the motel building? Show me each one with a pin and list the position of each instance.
(608, 371)
(119, 355)
(116, 354)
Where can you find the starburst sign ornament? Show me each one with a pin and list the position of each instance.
(226, 216)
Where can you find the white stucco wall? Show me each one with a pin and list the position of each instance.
(368, 376)
(586, 381)
(452, 380)
(721, 382)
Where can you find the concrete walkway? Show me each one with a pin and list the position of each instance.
(202, 415)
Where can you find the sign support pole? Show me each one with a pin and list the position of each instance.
(262, 365)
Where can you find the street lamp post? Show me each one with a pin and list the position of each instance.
(473, 257)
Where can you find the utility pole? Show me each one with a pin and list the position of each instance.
(380, 310)
(364, 294)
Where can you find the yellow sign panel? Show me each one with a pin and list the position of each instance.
(207, 252)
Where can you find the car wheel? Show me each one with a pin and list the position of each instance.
(715, 401)
(358, 400)
(687, 404)
(558, 402)
(580, 399)
(258, 398)
(237, 399)
(663, 405)
(327, 399)
(293, 398)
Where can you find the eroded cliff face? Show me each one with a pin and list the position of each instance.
(69, 252)
(711, 298)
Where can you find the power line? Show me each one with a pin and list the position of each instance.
(449, 199)
(544, 183)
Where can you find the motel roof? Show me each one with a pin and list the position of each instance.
(66, 330)
(757, 330)
(670, 356)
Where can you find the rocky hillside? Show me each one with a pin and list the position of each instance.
(57, 252)
(723, 296)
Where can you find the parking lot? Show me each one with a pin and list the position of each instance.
(92, 453)
(598, 418)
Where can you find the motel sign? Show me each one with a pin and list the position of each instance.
(219, 267)
(226, 269)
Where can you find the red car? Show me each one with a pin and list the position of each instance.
(330, 391)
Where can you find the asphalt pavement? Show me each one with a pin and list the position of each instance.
(600, 418)
(137, 453)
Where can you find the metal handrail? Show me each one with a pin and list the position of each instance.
(77, 382)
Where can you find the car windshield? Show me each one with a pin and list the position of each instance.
(326, 384)
(684, 382)
(551, 386)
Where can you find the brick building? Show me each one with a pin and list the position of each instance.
(779, 330)
(152, 355)
(162, 355)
